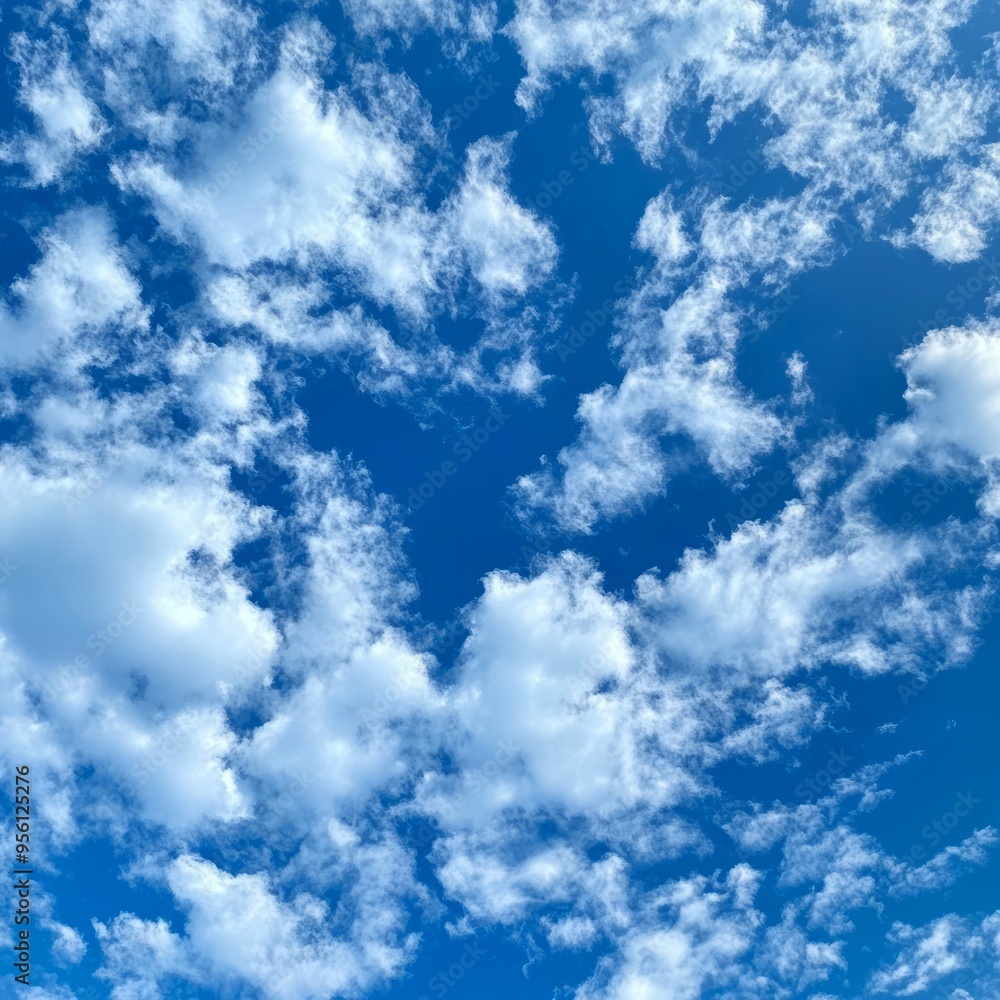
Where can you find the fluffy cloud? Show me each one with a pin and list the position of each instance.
(76, 301)
(245, 690)
(955, 218)
(315, 199)
(942, 869)
(845, 870)
(461, 18)
(680, 359)
(824, 87)
(52, 90)
(590, 700)
(797, 591)
(940, 949)
(208, 43)
(692, 938)
(950, 429)
(238, 930)
(304, 172)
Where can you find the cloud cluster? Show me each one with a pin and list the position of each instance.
(236, 688)
(680, 359)
(825, 92)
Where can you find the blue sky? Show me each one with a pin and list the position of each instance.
(500, 499)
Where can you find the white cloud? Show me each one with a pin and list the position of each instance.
(680, 360)
(955, 218)
(928, 954)
(184, 620)
(281, 702)
(952, 379)
(351, 729)
(844, 870)
(51, 88)
(947, 113)
(82, 287)
(802, 590)
(944, 867)
(823, 87)
(475, 21)
(314, 203)
(209, 41)
(795, 959)
(497, 889)
(585, 739)
(67, 946)
(795, 368)
(137, 954)
(952, 426)
(509, 250)
(238, 930)
(305, 173)
(692, 938)
(827, 91)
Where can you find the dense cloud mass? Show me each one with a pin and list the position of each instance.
(284, 281)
